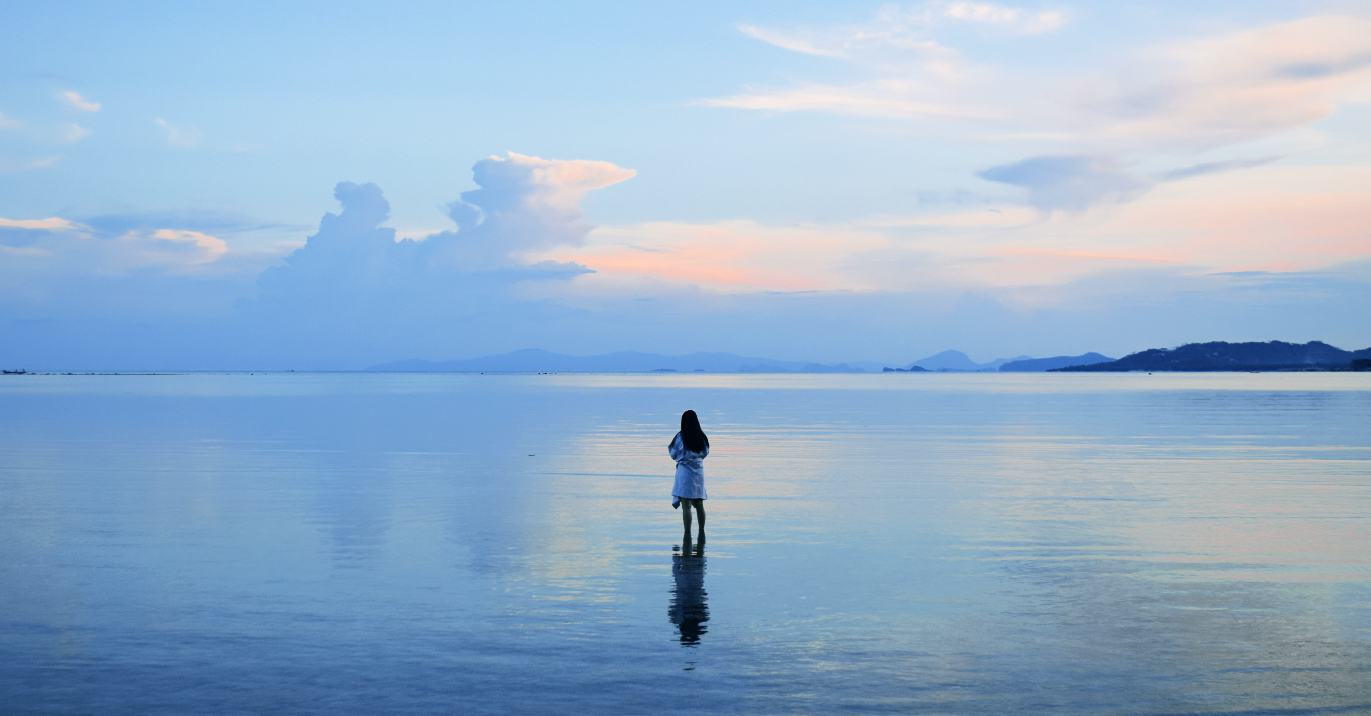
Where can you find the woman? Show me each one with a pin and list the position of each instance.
(688, 449)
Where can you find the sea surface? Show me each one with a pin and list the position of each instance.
(488, 544)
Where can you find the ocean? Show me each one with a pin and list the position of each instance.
(365, 543)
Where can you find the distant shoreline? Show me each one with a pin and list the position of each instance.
(1213, 357)
(1282, 370)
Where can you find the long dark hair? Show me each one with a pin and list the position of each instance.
(692, 436)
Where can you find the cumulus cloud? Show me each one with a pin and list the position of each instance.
(1069, 183)
(179, 137)
(355, 266)
(77, 101)
(350, 295)
(527, 203)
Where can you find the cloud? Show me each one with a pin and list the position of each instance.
(8, 123)
(354, 290)
(351, 293)
(211, 222)
(155, 290)
(1187, 96)
(73, 247)
(18, 233)
(179, 138)
(19, 165)
(79, 102)
(804, 43)
(1069, 183)
(52, 224)
(901, 30)
(74, 133)
(117, 244)
(1241, 86)
(1078, 182)
(1195, 170)
(188, 247)
(889, 99)
(1271, 218)
(1015, 19)
(917, 77)
(729, 256)
(524, 204)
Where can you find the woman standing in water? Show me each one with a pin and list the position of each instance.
(689, 449)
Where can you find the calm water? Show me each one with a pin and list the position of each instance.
(949, 544)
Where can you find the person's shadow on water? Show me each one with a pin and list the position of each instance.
(688, 608)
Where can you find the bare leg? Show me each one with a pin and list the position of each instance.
(685, 516)
(700, 508)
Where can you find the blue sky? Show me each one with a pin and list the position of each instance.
(809, 181)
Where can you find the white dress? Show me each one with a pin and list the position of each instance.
(690, 472)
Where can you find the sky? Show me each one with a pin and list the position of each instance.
(336, 185)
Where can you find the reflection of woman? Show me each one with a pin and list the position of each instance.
(688, 449)
(689, 608)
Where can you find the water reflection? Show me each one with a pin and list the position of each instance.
(689, 608)
(1170, 550)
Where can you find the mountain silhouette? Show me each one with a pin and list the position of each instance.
(959, 361)
(534, 360)
(1219, 356)
(1038, 365)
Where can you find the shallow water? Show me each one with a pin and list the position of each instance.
(952, 544)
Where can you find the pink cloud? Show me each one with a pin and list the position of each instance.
(1269, 218)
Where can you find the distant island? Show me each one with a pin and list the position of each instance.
(959, 362)
(533, 360)
(1218, 356)
(1221, 356)
(1039, 365)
